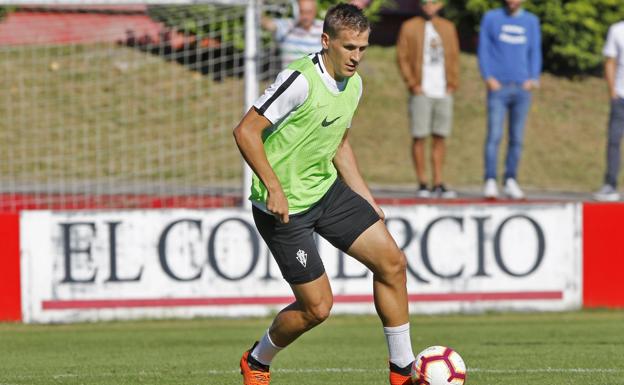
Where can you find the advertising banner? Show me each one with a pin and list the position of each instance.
(10, 300)
(100, 265)
(603, 255)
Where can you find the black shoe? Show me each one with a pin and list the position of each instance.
(423, 191)
(440, 191)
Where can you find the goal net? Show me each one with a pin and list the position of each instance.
(124, 106)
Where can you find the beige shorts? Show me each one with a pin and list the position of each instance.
(430, 115)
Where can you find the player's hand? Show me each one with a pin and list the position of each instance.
(493, 84)
(530, 84)
(379, 211)
(277, 204)
(613, 94)
(416, 90)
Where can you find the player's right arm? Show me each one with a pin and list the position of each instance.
(610, 53)
(609, 70)
(248, 136)
(288, 92)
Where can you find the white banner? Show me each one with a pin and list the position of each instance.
(100, 265)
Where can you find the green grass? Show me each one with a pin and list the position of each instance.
(508, 349)
(115, 114)
(98, 113)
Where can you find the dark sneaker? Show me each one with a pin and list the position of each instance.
(440, 191)
(423, 191)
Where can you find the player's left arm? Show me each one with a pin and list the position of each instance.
(347, 166)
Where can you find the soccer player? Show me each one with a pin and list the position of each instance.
(296, 140)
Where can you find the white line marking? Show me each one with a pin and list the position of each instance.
(547, 370)
(481, 370)
(214, 372)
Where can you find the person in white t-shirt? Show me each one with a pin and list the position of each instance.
(297, 38)
(428, 57)
(614, 73)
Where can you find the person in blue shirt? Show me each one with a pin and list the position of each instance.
(510, 61)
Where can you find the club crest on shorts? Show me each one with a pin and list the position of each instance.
(302, 257)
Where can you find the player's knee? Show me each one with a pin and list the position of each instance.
(399, 264)
(318, 313)
(394, 268)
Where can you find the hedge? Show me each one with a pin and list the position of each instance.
(573, 31)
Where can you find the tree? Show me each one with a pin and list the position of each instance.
(5, 10)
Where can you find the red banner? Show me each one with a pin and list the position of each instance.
(10, 296)
(603, 254)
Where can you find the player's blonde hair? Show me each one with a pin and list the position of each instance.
(345, 16)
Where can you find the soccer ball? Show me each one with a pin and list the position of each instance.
(439, 365)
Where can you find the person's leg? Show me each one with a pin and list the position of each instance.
(420, 122)
(312, 306)
(438, 152)
(418, 158)
(376, 249)
(616, 128)
(520, 102)
(496, 115)
(352, 225)
(307, 278)
(442, 118)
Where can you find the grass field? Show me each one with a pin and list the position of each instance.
(111, 114)
(507, 349)
(107, 113)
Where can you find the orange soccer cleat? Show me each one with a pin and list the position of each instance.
(400, 376)
(254, 373)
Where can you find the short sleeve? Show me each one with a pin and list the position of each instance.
(610, 47)
(282, 28)
(288, 92)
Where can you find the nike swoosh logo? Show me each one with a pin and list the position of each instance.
(325, 123)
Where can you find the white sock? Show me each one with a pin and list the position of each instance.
(399, 345)
(265, 350)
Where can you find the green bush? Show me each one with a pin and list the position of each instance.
(5, 10)
(371, 11)
(204, 20)
(573, 31)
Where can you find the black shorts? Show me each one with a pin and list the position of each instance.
(339, 217)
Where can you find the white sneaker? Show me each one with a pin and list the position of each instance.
(607, 193)
(423, 191)
(490, 189)
(512, 189)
